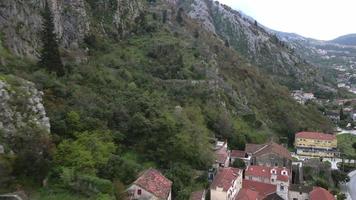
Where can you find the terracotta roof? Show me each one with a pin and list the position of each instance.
(300, 188)
(237, 154)
(198, 195)
(266, 172)
(319, 193)
(252, 148)
(263, 189)
(274, 148)
(224, 178)
(154, 182)
(246, 194)
(315, 135)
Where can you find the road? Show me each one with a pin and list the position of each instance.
(352, 185)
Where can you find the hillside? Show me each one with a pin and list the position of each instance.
(348, 40)
(256, 43)
(148, 86)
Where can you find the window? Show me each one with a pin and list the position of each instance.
(282, 188)
(272, 180)
(300, 193)
(139, 192)
(295, 199)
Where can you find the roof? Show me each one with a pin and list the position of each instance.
(263, 189)
(198, 195)
(266, 172)
(154, 182)
(319, 193)
(237, 154)
(224, 178)
(300, 188)
(274, 148)
(273, 196)
(252, 148)
(246, 194)
(315, 135)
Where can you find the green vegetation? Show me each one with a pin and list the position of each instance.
(157, 98)
(345, 143)
(50, 58)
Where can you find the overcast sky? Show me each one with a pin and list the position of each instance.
(319, 19)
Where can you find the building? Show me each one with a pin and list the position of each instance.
(319, 193)
(198, 195)
(302, 97)
(151, 185)
(270, 155)
(222, 155)
(247, 194)
(314, 144)
(227, 183)
(278, 176)
(263, 189)
(299, 192)
(237, 154)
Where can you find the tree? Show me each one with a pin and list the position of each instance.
(49, 56)
(354, 146)
(339, 177)
(239, 163)
(88, 152)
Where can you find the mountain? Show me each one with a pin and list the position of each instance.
(348, 40)
(256, 43)
(147, 84)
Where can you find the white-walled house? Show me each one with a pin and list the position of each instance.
(226, 185)
(279, 176)
(151, 185)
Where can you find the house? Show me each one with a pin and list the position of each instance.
(198, 195)
(227, 183)
(334, 116)
(151, 184)
(319, 193)
(299, 192)
(314, 144)
(237, 154)
(263, 189)
(279, 176)
(270, 154)
(247, 194)
(222, 155)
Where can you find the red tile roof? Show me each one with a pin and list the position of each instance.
(263, 189)
(154, 182)
(252, 148)
(247, 194)
(266, 172)
(237, 154)
(198, 195)
(274, 148)
(319, 193)
(224, 178)
(315, 135)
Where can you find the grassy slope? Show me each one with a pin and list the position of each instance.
(344, 143)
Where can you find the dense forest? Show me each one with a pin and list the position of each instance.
(158, 95)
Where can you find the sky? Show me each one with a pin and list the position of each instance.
(318, 19)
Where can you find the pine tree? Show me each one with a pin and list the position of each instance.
(50, 56)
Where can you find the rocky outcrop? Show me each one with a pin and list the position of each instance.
(126, 13)
(20, 106)
(252, 40)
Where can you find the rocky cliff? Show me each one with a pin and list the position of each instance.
(21, 105)
(21, 22)
(252, 40)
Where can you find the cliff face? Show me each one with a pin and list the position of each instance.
(21, 21)
(252, 40)
(20, 106)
